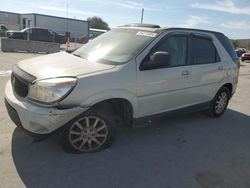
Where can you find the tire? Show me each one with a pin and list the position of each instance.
(90, 132)
(219, 104)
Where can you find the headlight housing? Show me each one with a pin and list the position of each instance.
(51, 90)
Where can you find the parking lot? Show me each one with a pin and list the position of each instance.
(178, 151)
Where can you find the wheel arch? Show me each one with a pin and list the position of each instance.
(230, 83)
(101, 98)
(229, 86)
(119, 108)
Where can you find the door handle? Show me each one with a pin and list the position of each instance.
(220, 68)
(185, 73)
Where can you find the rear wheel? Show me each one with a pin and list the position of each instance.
(220, 102)
(91, 132)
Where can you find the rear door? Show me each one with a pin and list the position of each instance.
(164, 88)
(207, 68)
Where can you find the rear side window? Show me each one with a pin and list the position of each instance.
(203, 51)
(227, 45)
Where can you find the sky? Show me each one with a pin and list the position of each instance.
(232, 17)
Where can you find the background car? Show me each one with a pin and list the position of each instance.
(240, 51)
(36, 34)
(3, 29)
(245, 56)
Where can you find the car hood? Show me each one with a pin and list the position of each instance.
(59, 65)
(246, 53)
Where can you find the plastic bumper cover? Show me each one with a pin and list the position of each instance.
(37, 119)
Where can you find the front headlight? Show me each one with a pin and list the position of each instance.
(51, 90)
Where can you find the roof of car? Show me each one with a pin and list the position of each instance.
(35, 28)
(153, 28)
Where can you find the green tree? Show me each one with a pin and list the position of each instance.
(97, 23)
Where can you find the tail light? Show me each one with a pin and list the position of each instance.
(237, 62)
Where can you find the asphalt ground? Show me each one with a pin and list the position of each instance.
(179, 151)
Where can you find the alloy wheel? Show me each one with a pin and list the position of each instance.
(221, 102)
(88, 133)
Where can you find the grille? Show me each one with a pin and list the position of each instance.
(20, 81)
(20, 86)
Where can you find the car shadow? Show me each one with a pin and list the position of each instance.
(167, 153)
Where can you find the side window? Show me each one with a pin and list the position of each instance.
(36, 31)
(43, 32)
(176, 48)
(29, 31)
(203, 51)
(227, 45)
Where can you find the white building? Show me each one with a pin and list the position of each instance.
(15, 21)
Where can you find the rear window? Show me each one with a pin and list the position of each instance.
(227, 45)
(203, 51)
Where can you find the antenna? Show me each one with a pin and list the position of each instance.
(142, 14)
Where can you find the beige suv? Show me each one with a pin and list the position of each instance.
(127, 75)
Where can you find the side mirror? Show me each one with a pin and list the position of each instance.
(160, 59)
(157, 60)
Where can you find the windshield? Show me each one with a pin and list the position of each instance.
(116, 46)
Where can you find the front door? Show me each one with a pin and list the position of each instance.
(164, 88)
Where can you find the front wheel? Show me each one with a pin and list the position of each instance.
(220, 102)
(90, 132)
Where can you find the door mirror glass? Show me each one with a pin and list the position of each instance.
(160, 59)
(170, 51)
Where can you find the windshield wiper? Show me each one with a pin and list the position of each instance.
(83, 56)
(77, 55)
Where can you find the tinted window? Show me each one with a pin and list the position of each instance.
(227, 45)
(203, 51)
(176, 46)
(36, 31)
(43, 31)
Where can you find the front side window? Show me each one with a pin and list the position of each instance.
(176, 46)
(203, 51)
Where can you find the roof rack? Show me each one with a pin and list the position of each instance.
(141, 25)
